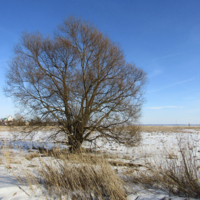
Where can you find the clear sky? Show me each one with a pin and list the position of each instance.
(160, 36)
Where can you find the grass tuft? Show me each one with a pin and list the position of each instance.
(178, 176)
(75, 176)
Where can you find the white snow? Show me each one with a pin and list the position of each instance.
(153, 145)
(11, 188)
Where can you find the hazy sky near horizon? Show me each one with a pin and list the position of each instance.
(161, 37)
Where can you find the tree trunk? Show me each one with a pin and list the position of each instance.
(75, 143)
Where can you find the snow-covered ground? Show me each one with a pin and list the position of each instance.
(154, 145)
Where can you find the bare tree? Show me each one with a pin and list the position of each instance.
(80, 79)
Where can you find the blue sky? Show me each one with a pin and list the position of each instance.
(160, 36)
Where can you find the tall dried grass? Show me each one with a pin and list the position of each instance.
(75, 176)
(7, 158)
(176, 176)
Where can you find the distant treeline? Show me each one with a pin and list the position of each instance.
(29, 123)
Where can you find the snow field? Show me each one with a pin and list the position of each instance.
(154, 146)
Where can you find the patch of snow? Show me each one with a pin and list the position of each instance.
(153, 145)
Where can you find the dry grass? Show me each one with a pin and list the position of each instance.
(9, 158)
(32, 155)
(142, 128)
(4, 128)
(168, 129)
(89, 178)
(64, 154)
(176, 176)
(75, 176)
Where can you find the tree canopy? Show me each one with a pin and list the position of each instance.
(79, 78)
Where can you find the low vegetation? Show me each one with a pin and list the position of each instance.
(32, 155)
(75, 176)
(93, 174)
(168, 129)
(177, 175)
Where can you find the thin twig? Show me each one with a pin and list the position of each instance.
(23, 190)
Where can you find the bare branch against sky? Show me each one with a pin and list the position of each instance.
(80, 79)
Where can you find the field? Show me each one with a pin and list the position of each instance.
(164, 166)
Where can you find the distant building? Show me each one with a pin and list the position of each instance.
(8, 120)
(26, 123)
